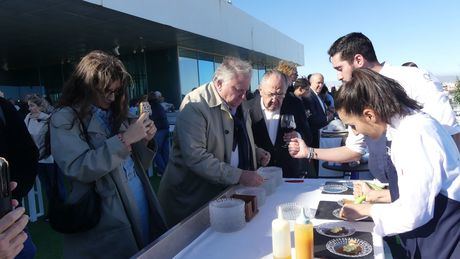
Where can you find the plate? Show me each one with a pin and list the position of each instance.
(324, 229)
(341, 203)
(348, 184)
(334, 131)
(335, 244)
(336, 213)
(334, 188)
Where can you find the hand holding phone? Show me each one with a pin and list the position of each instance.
(144, 107)
(5, 191)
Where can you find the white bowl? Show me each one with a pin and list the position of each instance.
(227, 215)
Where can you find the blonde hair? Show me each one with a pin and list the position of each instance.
(287, 68)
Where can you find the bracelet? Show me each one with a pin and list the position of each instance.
(311, 153)
(120, 137)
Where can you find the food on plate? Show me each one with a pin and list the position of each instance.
(359, 199)
(337, 231)
(351, 248)
(374, 186)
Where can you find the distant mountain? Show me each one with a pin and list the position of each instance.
(448, 78)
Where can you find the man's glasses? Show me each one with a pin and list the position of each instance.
(275, 95)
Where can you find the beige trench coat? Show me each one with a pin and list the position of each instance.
(199, 166)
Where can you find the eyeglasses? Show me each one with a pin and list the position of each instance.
(109, 92)
(274, 95)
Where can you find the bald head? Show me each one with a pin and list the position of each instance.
(316, 82)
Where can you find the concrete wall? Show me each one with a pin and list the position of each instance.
(215, 19)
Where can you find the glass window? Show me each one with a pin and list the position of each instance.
(261, 73)
(254, 80)
(205, 71)
(188, 70)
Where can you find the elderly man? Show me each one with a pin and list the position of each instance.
(266, 110)
(213, 145)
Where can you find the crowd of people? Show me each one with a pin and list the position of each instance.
(103, 147)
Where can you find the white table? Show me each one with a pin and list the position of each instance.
(254, 240)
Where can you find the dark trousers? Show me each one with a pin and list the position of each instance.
(29, 250)
(440, 237)
(162, 155)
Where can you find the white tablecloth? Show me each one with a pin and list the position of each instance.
(254, 240)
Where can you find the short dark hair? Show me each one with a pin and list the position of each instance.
(368, 89)
(352, 44)
(301, 83)
(409, 64)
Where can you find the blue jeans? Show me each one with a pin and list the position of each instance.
(29, 250)
(162, 156)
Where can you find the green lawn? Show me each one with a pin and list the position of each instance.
(49, 242)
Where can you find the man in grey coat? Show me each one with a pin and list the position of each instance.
(213, 145)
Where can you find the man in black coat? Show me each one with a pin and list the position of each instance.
(18, 147)
(319, 116)
(265, 111)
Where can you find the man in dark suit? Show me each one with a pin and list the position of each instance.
(319, 116)
(265, 111)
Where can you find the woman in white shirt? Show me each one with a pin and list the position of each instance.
(37, 124)
(427, 213)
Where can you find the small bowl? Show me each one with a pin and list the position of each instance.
(272, 171)
(290, 210)
(269, 184)
(227, 215)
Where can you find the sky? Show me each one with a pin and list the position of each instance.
(425, 32)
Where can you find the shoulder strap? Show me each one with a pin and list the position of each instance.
(85, 130)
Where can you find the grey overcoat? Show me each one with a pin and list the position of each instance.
(118, 234)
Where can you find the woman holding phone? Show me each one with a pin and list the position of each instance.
(93, 108)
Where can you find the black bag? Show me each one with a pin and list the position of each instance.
(79, 216)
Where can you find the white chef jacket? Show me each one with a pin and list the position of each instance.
(427, 161)
(423, 87)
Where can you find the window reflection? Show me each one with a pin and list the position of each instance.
(254, 80)
(205, 70)
(188, 70)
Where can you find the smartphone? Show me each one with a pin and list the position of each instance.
(5, 192)
(145, 107)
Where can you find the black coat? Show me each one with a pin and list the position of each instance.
(292, 168)
(18, 147)
(317, 118)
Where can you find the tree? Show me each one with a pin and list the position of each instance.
(457, 92)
